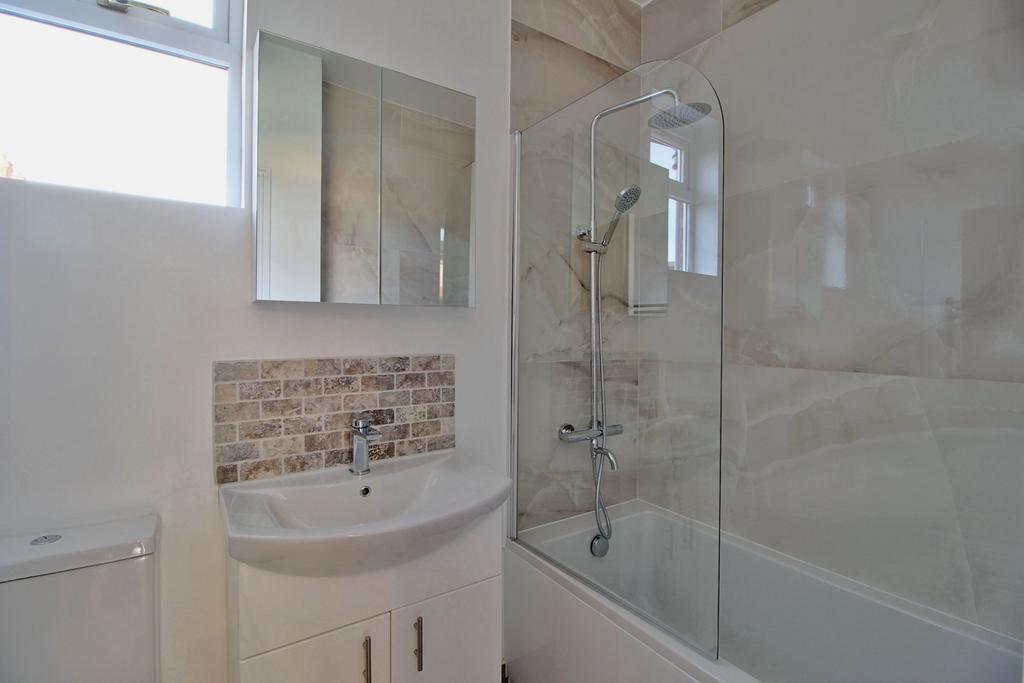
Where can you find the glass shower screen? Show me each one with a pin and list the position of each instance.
(640, 209)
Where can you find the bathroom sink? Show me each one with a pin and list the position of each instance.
(332, 522)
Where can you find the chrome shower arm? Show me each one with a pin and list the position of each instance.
(593, 144)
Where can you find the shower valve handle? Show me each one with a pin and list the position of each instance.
(569, 434)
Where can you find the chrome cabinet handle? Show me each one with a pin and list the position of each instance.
(368, 658)
(419, 643)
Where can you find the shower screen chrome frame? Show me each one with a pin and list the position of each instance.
(513, 431)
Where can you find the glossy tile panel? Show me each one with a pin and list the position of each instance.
(680, 438)
(548, 74)
(563, 49)
(425, 160)
(978, 428)
(350, 229)
(426, 184)
(873, 277)
(671, 27)
(907, 485)
(555, 478)
(607, 29)
(735, 11)
(841, 470)
(883, 78)
(908, 265)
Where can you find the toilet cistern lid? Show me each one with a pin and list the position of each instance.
(56, 550)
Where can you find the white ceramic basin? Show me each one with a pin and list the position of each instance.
(332, 522)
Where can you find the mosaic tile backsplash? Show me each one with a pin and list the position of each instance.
(273, 417)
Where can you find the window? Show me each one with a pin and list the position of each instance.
(674, 158)
(135, 102)
(680, 249)
(670, 158)
(688, 249)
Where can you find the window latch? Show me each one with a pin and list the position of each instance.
(125, 5)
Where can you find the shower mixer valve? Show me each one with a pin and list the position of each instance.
(569, 434)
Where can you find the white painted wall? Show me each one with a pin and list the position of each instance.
(113, 308)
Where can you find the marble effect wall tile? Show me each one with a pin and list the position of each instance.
(872, 252)
(978, 428)
(907, 485)
(554, 271)
(258, 434)
(735, 11)
(680, 438)
(910, 265)
(671, 27)
(350, 234)
(427, 186)
(427, 167)
(555, 479)
(548, 74)
(607, 29)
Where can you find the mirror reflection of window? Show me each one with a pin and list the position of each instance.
(691, 248)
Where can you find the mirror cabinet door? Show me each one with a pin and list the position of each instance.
(364, 182)
(428, 146)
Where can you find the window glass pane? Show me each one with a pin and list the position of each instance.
(89, 112)
(669, 158)
(194, 11)
(683, 218)
(673, 236)
(680, 236)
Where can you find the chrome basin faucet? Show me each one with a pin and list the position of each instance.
(363, 434)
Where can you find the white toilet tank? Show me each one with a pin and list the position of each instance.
(79, 605)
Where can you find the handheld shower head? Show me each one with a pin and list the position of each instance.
(624, 201)
(680, 115)
(626, 198)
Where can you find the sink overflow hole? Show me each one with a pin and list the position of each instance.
(365, 491)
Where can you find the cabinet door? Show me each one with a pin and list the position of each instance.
(339, 656)
(453, 638)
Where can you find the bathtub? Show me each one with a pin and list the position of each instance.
(782, 620)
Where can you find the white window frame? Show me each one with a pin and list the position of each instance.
(682, 192)
(219, 46)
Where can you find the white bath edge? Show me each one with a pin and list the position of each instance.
(890, 600)
(970, 652)
(686, 658)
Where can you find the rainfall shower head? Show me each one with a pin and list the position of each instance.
(680, 115)
(624, 201)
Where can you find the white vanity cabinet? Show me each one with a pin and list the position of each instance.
(448, 639)
(451, 638)
(312, 627)
(360, 653)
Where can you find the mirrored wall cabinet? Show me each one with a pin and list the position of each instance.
(364, 182)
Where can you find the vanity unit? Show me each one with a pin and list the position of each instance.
(390, 576)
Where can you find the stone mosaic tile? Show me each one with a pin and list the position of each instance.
(274, 417)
